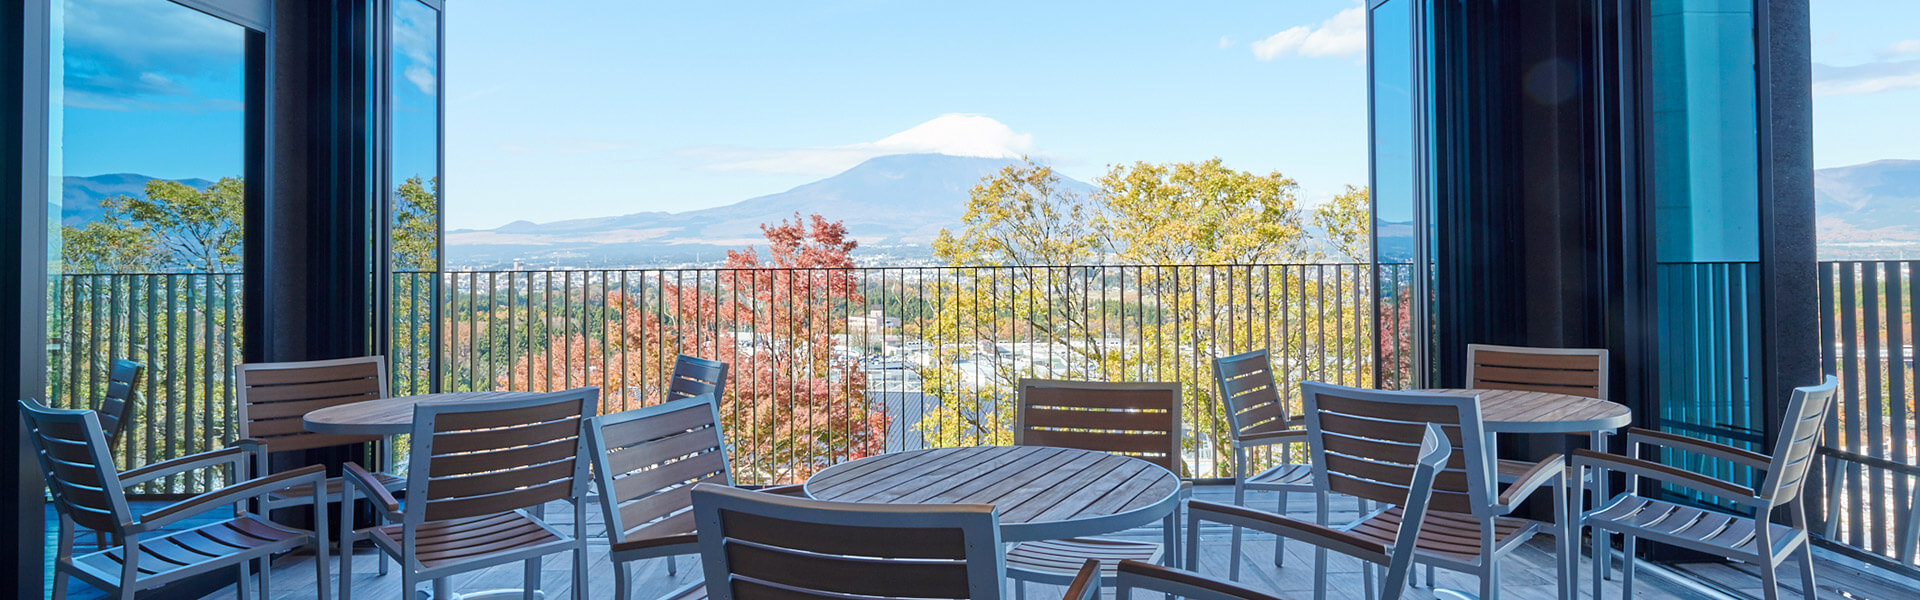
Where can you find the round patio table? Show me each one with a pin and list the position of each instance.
(1512, 411)
(1042, 493)
(387, 416)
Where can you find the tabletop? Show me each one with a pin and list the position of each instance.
(387, 416)
(1041, 492)
(1512, 411)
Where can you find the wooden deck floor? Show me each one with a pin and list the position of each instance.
(1530, 578)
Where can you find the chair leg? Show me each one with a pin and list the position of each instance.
(1320, 553)
(672, 566)
(1020, 589)
(1233, 551)
(1490, 581)
(1807, 588)
(442, 588)
(60, 584)
(1170, 534)
(622, 581)
(531, 579)
(1627, 561)
(1601, 570)
(1769, 579)
(266, 583)
(242, 581)
(1279, 541)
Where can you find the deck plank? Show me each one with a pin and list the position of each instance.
(1531, 577)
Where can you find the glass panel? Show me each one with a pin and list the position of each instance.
(148, 154)
(415, 204)
(1391, 38)
(1703, 153)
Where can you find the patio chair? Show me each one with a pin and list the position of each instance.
(1402, 467)
(273, 400)
(1467, 527)
(1742, 537)
(88, 491)
(481, 475)
(1573, 371)
(651, 458)
(123, 391)
(1257, 417)
(1137, 419)
(755, 545)
(693, 376)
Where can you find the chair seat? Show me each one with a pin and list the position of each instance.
(468, 540)
(198, 549)
(335, 487)
(676, 530)
(1691, 527)
(1290, 475)
(1448, 535)
(1063, 558)
(1510, 469)
(696, 591)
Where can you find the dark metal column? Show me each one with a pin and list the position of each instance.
(23, 284)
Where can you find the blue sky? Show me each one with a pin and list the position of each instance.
(598, 107)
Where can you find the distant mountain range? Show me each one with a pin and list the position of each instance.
(1868, 211)
(896, 205)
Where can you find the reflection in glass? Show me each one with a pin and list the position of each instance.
(1391, 55)
(147, 161)
(414, 204)
(1703, 156)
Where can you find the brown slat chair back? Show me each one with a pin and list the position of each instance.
(72, 451)
(757, 546)
(1251, 395)
(123, 392)
(647, 461)
(1366, 443)
(1137, 419)
(482, 458)
(694, 376)
(1575, 371)
(1798, 444)
(274, 397)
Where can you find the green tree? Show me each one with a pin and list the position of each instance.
(1346, 221)
(174, 227)
(416, 225)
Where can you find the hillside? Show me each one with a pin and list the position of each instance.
(894, 205)
(1870, 210)
(80, 197)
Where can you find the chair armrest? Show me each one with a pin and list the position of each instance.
(1542, 473)
(352, 474)
(795, 490)
(1180, 582)
(1086, 583)
(1288, 527)
(1267, 438)
(310, 474)
(1739, 494)
(229, 455)
(1698, 446)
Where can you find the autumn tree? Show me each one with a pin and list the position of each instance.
(1059, 259)
(794, 404)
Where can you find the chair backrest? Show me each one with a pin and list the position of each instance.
(80, 472)
(123, 392)
(488, 457)
(694, 376)
(274, 397)
(757, 546)
(648, 460)
(1795, 449)
(1367, 443)
(1137, 419)
(1575, 371)
(1251, 395)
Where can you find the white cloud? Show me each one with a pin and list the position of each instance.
(1226, 42)
(1868, 78)
(422, 78)
(1900, 49)
(956, 134)
(1344, 35)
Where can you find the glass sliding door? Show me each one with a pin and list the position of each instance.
(148, 152)
(1703, 181)
(1401, 205)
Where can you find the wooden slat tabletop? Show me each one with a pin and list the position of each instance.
(1041, 492)
(1509, 411)
(387, 416)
